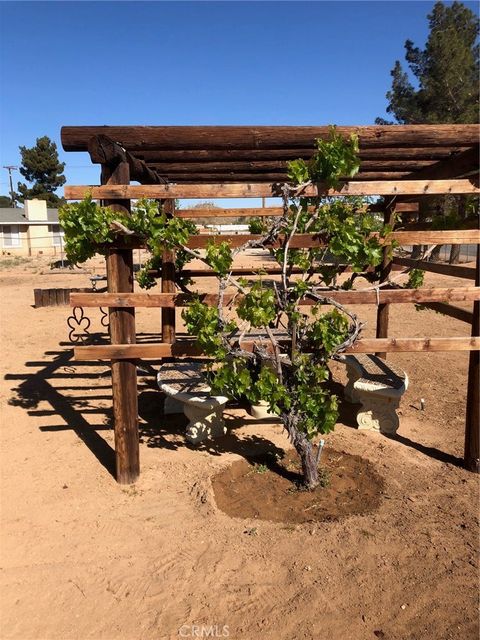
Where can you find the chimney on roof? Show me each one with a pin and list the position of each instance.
(36, 209)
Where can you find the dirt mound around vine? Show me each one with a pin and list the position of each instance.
(269, 489)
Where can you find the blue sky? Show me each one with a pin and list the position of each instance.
(189, 63)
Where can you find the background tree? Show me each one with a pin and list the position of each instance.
(446, 72)
(5, 201)
(446, 76)
(41, 166)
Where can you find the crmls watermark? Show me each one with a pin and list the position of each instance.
(204, 631)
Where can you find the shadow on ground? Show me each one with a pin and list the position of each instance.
(58, 382)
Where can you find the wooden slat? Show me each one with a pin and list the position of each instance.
(404, 238)
(135, 138)
(271, 271)
(229, 213)
(398, 345)
(385, 296)
(251, 212)
(453, 270)
(189, 348)
(234, 190)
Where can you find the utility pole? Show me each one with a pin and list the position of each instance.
(11, 168)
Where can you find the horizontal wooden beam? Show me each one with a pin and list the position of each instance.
(233, 190)
(247, 212)
(306, 241)
(453, 270)
(253, 212)
(138, 138)
(303, 240)
(189, 348)
(271, 271)
(384, 296)
(398, 345)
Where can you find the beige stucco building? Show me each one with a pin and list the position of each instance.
(31, 231)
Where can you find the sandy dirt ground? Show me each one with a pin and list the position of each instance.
(85, 558)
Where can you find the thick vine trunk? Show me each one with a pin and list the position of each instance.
(306, 452)
(309, 464)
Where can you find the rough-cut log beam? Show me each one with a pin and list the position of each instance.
(232, 190)
(454, 270)
(251, 137)
(212, 178)
(189, 348)
(272, 166)
(105, 151)
(385, 296)
(220, 155)
(460, 165)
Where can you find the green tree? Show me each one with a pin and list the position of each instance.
(41, 166)
(5, 201)
(446, 76)
(445, 72)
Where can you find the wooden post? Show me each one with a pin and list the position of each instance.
(122, 331)
(383, 310)
(472, 425)
(168, 282)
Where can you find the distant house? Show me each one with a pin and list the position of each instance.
(31, 231)
(227, 228)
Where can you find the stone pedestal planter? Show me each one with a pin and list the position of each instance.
(378, 387)
(187, 392)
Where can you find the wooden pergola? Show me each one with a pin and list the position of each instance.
(401, 163)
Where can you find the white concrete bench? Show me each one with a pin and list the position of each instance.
(378, 387)
(188, 392)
